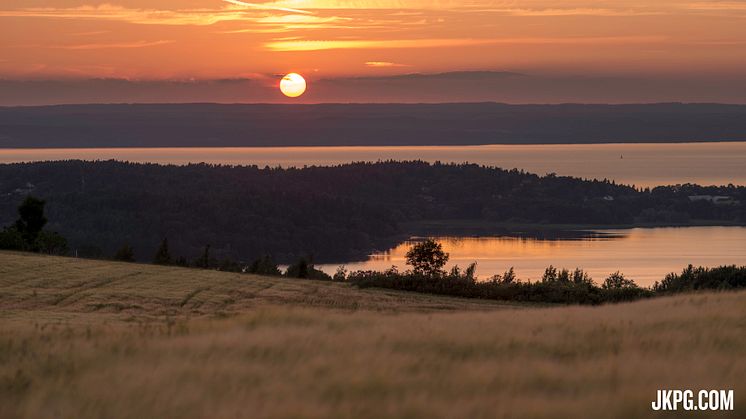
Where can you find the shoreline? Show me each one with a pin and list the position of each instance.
(374, 146)
(465, 226)
(478, 228)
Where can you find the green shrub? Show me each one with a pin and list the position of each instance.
(691, 278)
(556, 286)
(125, 254)
(264, 266)
(305, 270)
(617, 281)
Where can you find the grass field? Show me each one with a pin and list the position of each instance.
(83, 339)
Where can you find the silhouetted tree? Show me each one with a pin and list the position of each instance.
(51, 243)
(304, 269)
(162, 256)
(11, 239)
(264, 266)
(581, 277)
(340, 275)
(691, 278)
(427, 258)
(125, 254)
(27, 233)
(227, 265)
(31, 220)
(204, 260)
(299, 269)
(471, 272)
(509, 276)
(618, 281)
(563, 276)
(550, 275)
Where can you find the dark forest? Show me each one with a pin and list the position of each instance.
(332, 214)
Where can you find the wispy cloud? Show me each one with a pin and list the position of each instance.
(200, 17)
(264, 6)
(124, 45)
(318, 45)
(89, 33)
(268, 30)
(718, 5)
(237, 10)
(286, 19)
(525, 8)
(673, 35)
(559, 12)
(384, 64)
(513, 7)
(260, 18)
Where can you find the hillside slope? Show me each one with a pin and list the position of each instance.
(70, 286)
(99, 339)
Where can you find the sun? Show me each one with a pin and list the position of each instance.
(293, 85)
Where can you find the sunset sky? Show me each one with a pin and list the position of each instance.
(183, 40)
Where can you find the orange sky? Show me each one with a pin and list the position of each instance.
(170, 39)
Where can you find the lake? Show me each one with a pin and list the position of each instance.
(643, 254)
(639, 164)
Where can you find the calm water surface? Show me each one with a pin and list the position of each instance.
(638, 164)
(643, 254)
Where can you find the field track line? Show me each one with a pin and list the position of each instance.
(30, 273)
(93, 285)
(191, 295)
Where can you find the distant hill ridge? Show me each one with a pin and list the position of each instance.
(208, 125)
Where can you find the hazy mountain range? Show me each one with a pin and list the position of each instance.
(467, 86)
(188, 125)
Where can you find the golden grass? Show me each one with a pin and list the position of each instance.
(99, 339)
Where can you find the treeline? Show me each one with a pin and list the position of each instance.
(333, 213)
(556, 286)
(573, 287)
(27, 234)
(693, 279)
(264, 265)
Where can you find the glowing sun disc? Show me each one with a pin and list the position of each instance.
(293, 85)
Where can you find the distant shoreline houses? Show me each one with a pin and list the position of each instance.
(22, 191)
(715, 199)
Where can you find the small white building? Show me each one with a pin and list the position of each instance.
(715, 199)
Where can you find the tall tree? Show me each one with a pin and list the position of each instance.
(299, 269)
(204, 260)
(126, 254)
(427, 258)
(31, 220)
(50, 242)
(264, 266)
(162, 256)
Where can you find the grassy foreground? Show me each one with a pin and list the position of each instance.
(85, 338)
